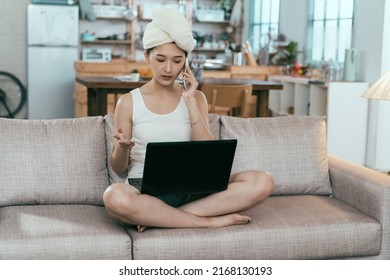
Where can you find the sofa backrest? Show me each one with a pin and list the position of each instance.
(292, 149)
(59, 161)
(66, 160)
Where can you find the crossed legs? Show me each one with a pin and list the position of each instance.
(246, 190)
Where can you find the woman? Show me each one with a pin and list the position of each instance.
(162, 110)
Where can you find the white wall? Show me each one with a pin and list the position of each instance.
(293, 20)
(13, 40)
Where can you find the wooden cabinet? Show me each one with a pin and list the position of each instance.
(341, 102)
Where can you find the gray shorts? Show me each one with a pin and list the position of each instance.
(175, 200)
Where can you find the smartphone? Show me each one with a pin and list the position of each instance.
(185, 71)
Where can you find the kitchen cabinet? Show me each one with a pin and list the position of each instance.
(340, 102)
(209, 24)
(123, 37)
(111, 30)
(212, 29)
(209, 42)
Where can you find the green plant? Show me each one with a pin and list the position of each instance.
(135, 71)
(291, 52)
(285, 54)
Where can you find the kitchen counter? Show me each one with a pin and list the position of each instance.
(124, 67)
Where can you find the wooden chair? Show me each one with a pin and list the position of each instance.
(231, 100)
(260, 72)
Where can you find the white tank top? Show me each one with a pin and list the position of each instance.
(151, 127)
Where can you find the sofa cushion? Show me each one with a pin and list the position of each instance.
(283, 227)
(214, 121)
(292, 149)
(52, 161)
(61, 232)
(215, 125)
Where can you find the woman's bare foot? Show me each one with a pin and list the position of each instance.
(229, 220)
(215, 222)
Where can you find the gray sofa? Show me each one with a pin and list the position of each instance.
(54, 172)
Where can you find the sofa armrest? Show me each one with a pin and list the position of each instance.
(365, 189)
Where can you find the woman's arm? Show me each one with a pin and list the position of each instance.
(123, 132)
(197, 108)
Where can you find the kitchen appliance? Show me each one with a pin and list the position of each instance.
(52, 50)
(109, 11)
(96, 55)
(212, 15)
(350, 64)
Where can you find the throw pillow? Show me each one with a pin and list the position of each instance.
(292, 149)
(60, 161)
(215, 125)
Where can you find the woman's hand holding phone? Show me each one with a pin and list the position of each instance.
(190, 84)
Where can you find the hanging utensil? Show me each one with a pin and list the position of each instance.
(130, 14)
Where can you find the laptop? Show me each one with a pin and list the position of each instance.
(196, 167)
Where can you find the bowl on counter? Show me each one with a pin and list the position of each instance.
(88, 37)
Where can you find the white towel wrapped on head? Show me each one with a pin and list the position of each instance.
(168, 26)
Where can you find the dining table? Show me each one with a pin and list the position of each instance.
(99, 87)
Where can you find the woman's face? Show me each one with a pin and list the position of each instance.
(166, 62)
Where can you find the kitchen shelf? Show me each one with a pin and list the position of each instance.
(146, 20)
(109, 42)
(110, 20)
(213, 22)
(209, 50)
(210, 24)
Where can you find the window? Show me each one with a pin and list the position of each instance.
(264, 22)
(330, 29)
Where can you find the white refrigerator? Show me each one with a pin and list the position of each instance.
(52, 50)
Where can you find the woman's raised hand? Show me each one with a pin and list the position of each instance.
(123, 140)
